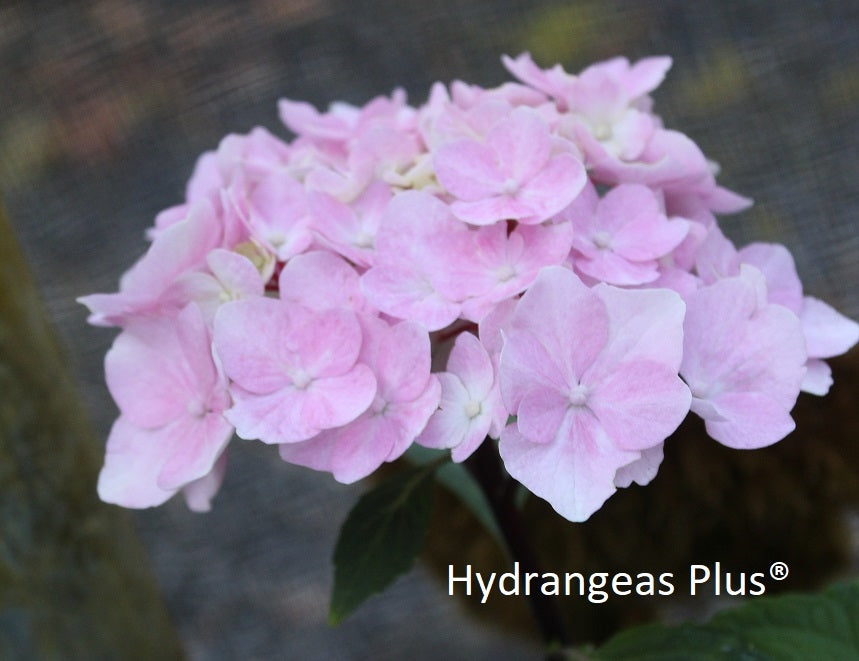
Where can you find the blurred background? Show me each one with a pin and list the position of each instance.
(106, 105)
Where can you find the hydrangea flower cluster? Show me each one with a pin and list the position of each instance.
(538, 264)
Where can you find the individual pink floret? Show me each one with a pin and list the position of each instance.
(230, 276)
(275, 213)
(256, 155)
(592, 377)
(295, 371)
(744, 360)
(407, 395)
(417, 246)
(470, 401)
(515, 173)
(619, 238)
(555, 82)
(350, 229)
(146, 289)
(320, 280)
(501, 264)
(827, 332)
(171, 395)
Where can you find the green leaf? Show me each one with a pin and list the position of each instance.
(815, 626)
(456, 479)
(380, 538)
(801, 626)
(687, 642)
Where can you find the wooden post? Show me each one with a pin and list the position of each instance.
(74, 580)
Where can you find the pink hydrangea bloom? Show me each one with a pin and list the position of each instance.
(230, 276)
(302, 290)
(171, 430)
(350, 229)
(498, 263)
(515, 173)
(294, 371)
(744, 361)
(592, 377)
(470, 401)
(827, 332)
(412, 277)
(147, 288)
(407, 394)
(619, 238)
(320, 280)
(275, 213)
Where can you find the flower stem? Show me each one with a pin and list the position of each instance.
(500, 489)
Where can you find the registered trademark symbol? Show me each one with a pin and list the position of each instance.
(779, 571)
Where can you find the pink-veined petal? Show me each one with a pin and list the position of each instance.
(642, 470)
(148, 375)
(750, 420)
(192, 447)
(249, 339)
(574, 473)
(199, 493)
(568, 317)
(468, 170)
(827, 332)
(336, 400)
(521, 143)
(640, 404)
(133, 459)
(470, 361)
(553, 188)
(540, 414)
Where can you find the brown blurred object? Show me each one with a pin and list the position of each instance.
(74, 581)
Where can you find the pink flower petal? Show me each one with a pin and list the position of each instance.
(818, 377)
(567, 316)
(521, 143)
(553, 188)
(199, 493)
(132, 462)
(640, 404)
(827, 332)
(248, 338)
(468, 170)
(147, 374)
(642, 470)
(574, 473)
(318, 280)
(191, 448)
(541, 412)
(750, 420)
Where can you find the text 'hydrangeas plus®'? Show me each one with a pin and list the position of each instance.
(537, 265)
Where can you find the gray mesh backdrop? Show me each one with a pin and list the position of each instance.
(107, 104)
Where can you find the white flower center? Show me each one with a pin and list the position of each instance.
(602, 240)
(363, 240)
(300, 379)
(277, 239)
(579, 396)
(510, 186)
(473, 409)
(504, 273)
(196, 408)
(603, 131)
